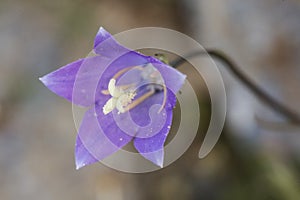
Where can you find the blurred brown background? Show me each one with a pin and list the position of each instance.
(37, 132)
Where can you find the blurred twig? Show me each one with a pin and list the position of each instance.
(293, 117)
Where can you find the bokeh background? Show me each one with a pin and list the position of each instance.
(257, 156)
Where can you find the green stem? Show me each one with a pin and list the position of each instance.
(235, 70)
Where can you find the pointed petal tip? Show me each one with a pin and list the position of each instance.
(101, 28)
(156, 157)
(79, 165)
(81, 159)
(43, 79)
(81, 162)
(102, 32)
(161, 164)
(101, 36)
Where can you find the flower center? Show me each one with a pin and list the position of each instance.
(123, 96)
(120, 98)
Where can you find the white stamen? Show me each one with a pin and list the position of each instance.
(123, 95)
(120, 98)
(109, 106)
(113, 90)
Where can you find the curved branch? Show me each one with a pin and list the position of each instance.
(235, 70)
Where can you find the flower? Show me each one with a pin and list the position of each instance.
(130, 97)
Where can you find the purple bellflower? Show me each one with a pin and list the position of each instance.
(130, 97)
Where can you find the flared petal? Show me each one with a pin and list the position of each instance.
(81, 81)
(61, 81)
(150, 125)
(78, 80)
(152, 147)
(98, 137)
(106, 45)
(82, 156)
(173, 78)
